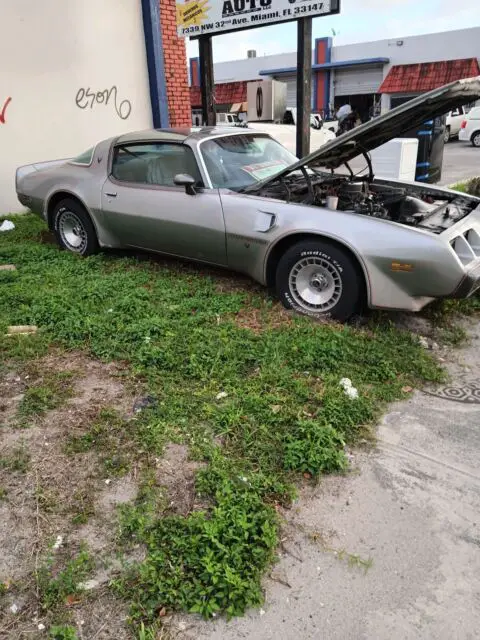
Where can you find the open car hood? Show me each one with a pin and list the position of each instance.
(391, 125)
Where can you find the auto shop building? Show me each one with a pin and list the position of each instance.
(372, 76)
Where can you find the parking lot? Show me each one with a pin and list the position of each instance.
(460, 161)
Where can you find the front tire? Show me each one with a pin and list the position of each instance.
(73, 228)
(476, 139)
(319, 279)
(446, 135)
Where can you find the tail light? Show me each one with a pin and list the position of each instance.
(464, 124)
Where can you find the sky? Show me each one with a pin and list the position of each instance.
(358, 21)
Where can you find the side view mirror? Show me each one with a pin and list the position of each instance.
(187, 181)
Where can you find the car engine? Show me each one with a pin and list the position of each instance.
(419, 206)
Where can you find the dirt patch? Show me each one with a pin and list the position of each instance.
(12, 390)
(259, 320)
(48, 492)
(176, 473)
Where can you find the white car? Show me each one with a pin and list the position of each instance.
(454, 122)
(470, 127)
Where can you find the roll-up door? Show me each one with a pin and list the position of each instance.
(357, 80)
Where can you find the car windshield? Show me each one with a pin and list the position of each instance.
(235, 162)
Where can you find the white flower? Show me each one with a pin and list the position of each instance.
(41, 626)
(221, 395)
(349, 389)
(58, 542)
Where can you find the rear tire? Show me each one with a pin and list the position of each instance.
(319, 279)
(476, 139)
(74, 229)
(446, 135)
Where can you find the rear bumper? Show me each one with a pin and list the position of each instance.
(463, 135)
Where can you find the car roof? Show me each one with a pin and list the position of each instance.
(179, 135)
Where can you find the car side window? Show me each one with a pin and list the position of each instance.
(153, 163)
(457, 112)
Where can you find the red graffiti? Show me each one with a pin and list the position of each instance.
(4, 109)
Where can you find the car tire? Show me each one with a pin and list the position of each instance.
(320, 279)
(74, 229)
(476, 139)
(446, 135)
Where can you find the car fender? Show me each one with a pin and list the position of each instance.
(337, 239)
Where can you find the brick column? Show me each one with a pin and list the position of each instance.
(175, 62)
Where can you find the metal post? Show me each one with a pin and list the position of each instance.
(207, 85)
(304, 85)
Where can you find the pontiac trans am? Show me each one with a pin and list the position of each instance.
(326, 240)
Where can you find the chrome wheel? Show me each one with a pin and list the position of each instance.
(476, 140)
(315, 284)
(72, 232)
(446, 136)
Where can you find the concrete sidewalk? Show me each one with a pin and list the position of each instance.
(392, 551)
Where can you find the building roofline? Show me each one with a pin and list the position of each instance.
(326, 65)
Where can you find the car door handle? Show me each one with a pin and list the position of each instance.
(110, 195)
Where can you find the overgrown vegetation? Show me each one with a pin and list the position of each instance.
(471, 187)
(257, 407)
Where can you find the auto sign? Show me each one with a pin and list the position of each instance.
(202, 17)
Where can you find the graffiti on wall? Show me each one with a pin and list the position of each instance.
(3, 110)
(87, 98)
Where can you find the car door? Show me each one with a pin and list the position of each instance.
(143, 207)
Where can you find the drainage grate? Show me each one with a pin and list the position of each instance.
(469, 393)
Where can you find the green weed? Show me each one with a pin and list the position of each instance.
(280, 411)
(46, 394)
(63, 632)
(17, 460)
(56, 586)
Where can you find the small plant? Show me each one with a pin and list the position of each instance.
(46, 394)
(18, 460)
(63, 632)
(473, 187)
(54, 587)
(314, 448)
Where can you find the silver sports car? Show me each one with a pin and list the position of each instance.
(326, 240)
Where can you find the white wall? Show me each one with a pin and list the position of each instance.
(49, 51)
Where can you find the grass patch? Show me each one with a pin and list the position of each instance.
(257, 405)
(46, 393)
(55, 586)
(18, 460)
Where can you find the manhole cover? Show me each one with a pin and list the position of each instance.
(468, 393)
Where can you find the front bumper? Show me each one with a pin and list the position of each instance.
(469, 284)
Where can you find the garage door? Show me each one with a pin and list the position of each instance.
(291, 82)
(356, 81)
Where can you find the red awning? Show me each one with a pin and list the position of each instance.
(225, 93)
(418, 78)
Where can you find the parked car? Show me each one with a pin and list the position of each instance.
(229, 120)
(454, 122)
(329, 243)
(470, 128)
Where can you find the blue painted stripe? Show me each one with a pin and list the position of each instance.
(423, 164)
(155, 62)
(424, 177)
(326, 65)
(424, 133)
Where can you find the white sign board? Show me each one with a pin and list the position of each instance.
(208, 17)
